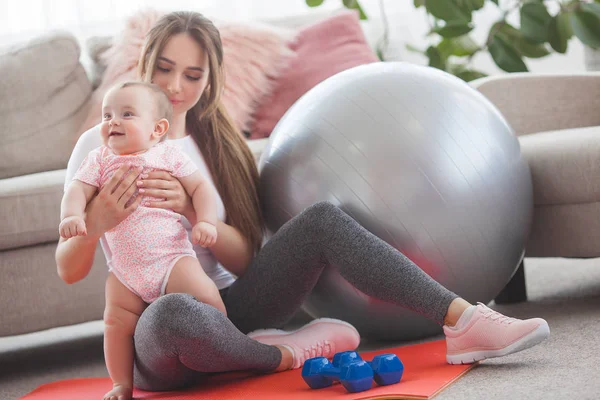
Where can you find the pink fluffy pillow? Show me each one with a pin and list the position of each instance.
(254, 56)
(322, 50)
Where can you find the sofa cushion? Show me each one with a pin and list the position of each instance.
(565, 165)
(43, 95)
(34, 298)
(30, 209)
(96, 45)
(565, 230)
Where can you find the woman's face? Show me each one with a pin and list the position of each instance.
(182, 72)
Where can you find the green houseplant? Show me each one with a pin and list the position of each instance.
(541, 31)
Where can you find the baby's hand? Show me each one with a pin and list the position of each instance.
(204, 234)
(72, 226)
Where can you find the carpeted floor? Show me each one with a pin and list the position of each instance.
(564, 292)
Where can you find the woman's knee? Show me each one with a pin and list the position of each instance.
(320, 210)
(320, 214)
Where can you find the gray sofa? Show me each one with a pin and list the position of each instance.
(44, 97)
(43, 100)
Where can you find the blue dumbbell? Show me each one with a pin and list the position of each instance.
(349, 368)
(387, 368)
(355, 376)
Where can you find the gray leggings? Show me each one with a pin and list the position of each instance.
(178, 340)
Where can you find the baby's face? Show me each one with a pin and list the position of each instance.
(128, 120)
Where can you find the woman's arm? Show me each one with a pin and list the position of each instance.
(231, 250)
(75, 257)
(202, 196)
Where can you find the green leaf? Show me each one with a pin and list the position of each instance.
(418, 3)
(594, 8)
(470, 5)
(560, 32)
(586, 26)
(447, 10)
(469, 75)
(414, 49)
(463, 72)
(505, 55)
(524, 46)
(314, 3)
(435, 58)
(495, 2)
(531, 49)
(355, 5)
(461, 46)
(453, 29)
(535, 20)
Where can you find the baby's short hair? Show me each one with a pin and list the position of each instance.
(164, 108)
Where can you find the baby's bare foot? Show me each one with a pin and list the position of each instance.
(119, 392)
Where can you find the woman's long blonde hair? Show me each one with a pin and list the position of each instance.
(227, 155)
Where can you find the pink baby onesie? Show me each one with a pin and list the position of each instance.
(148, 243)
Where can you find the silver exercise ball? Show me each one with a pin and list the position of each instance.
(421, 160)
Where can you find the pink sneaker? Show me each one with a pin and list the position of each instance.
(482, 333)
(322, 337)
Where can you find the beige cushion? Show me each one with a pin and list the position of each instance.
(565, 230)
(96, 45)
(565, 165)
(565, 170)
(43, 97)
(34, 298)
(543, 102)
(30, 209)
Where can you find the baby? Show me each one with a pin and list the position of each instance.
(151, 254)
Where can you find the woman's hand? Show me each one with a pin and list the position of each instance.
(167, 191)
(114, 202)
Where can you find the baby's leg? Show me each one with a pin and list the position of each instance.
(189, 277)
(123, 309)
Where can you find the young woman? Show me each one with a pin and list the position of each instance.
(178, 339)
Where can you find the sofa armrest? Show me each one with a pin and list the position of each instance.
(534, 103)
(30, 209)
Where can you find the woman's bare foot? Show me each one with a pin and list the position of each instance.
(119, 392)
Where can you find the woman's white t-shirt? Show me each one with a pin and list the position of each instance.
(92, 139)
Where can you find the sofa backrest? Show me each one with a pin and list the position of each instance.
(43, 96)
